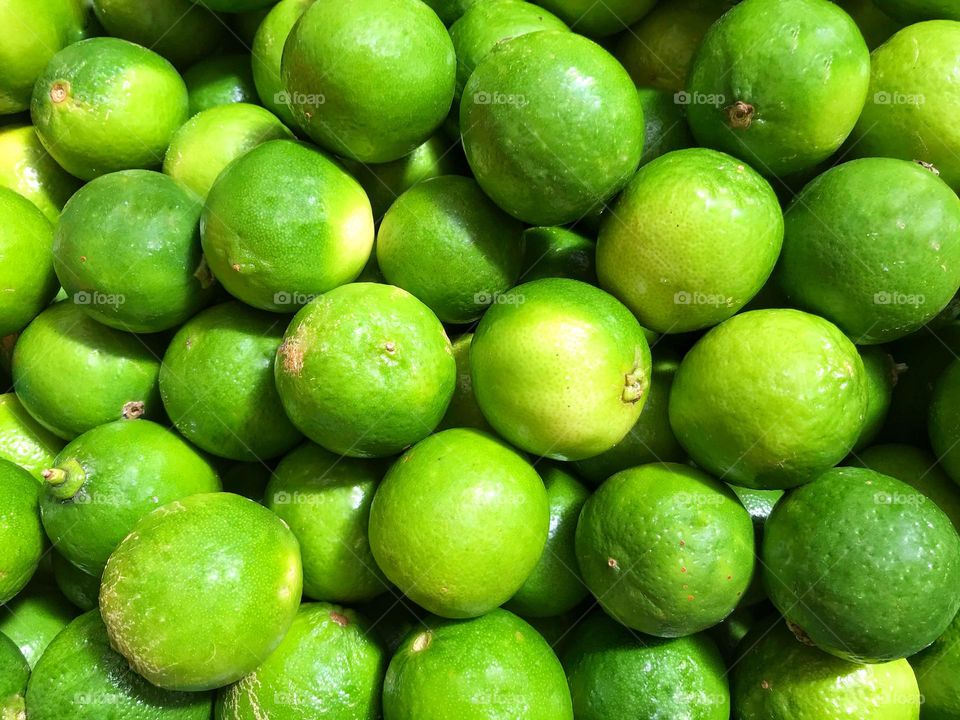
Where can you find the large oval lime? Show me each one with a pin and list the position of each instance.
(21, 534)
(24, 441)
(27, 168)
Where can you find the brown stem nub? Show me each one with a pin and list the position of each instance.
(132, 410)
(740, 115)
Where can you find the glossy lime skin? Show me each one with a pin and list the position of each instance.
(127, 249)
(944, 420)
(692, 238)
(936, 669)
(665, 124)
(329, 666)
(34, 618)
(266, 54)
(769, 399)
(115, 474)
(459, 523)
(26, 269)
(81, 677)
(21, 533)
(284, 223)
(325, 499)
(554, 586)
(112, 374)
(906, 545)
(599, 19)
(450, 11)
(220, 80)
(779, 83)
(14, 673)
(24, 441)
(91, 122)
(27, 168)
(666, 549)
(463, 410)
(616, 673)
(358, 86)
(214, 555)
(912, 99)
(874, 246)
(78, 587)
(552, 126)
(494, 667)
(560, 368)
(217, 383)
(558, 252)
(779, 678)
(210, 140)
(365, 370)
(446, 243)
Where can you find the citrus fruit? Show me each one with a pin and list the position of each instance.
(179, 30)
(494, 667)
(21, 534)
(666, 549)
(112, 374)
(81, 677)
(324, 642)
(560, 368)
(386, 365)
(450, 11)
(446, 243)
(692, 238)
(26, 268)
(459, 522)
(599, 19)
(827, 586)
(284, 223)
(210, 140)
(944, 420)
(325, 499)
(14, 673)
(769, 399)
(27, 168)
(912, 99)
(217, 384)
(267, 51)
(665, 124)
(127, 249)
(874, 246)
(358, 86)
(220, 80)
(778, 678)
(463, 410)
(552, 126)
(936, 669)
(615, 673)
(90, 119)
(104, 481)
(213, 555)
(78, 587)
(779, 83)
(874, 23)
(558, 252)
(911, 11)
(34, 618)
(34, 32)
(881, 377)
(24, 441)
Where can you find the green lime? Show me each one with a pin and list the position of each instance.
(911, 11)
(936, 669)
(944, 420)
(78, 587)
(26, 167)
(463, 410)
(554, 586)
(599, 19)
(14, 673)
(446, 243)
(913, 97)
(108, 478)
(210, 556)
(666, 549)
(560, 368)
(21, 534)
(887, 595)
(112, 374)
(450, 11)
(386, 365)
(616, 674)
(779, 83)
(248, 479)
(778, 678)
(34, 30)
(26, 268)
(665, 124)
(459, 523)
(325, 499)
(651, 439)
(127, 249)
(90, 121)
(179, 30)
(658, 50)
(284, 223)
(558, 252)
(328, 666)
(24, 441)
(692, 238)
(34, 618)
(217, 383)
(874, 23)
(220, 80)
(881, 377)
(266, 54)
(356, 83)
(874, 246)
(552, 126)
(82, 678)
(769, 399)
(494, 667)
